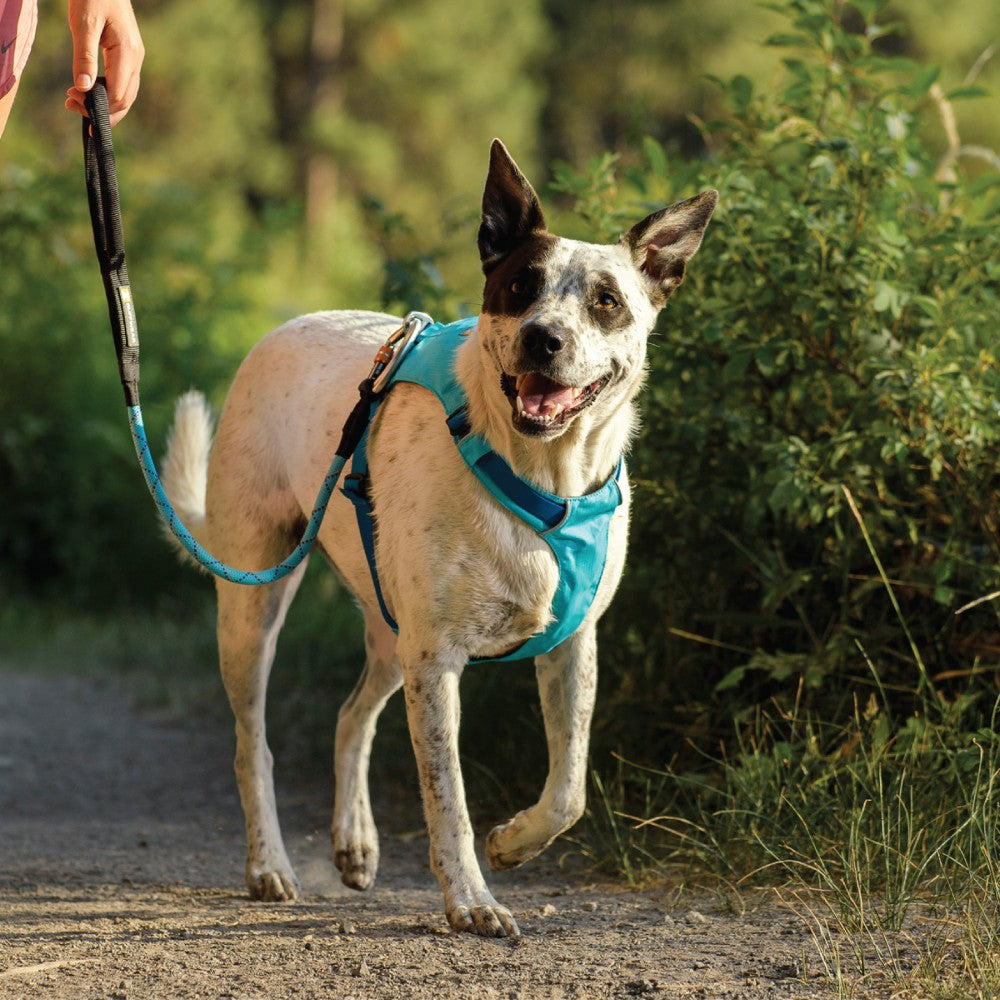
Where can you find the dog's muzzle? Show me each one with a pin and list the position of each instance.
(542, 406)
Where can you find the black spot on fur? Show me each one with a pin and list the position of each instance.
(608, 319)
(514, 284)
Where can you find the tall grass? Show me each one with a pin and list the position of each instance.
(880, 829)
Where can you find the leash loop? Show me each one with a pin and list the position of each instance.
(105, 216)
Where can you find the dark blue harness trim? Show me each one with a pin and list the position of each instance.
(355, 488)
(525, 496)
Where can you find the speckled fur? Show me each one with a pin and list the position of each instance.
(463, 578)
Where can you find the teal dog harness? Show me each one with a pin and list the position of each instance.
(574, 528)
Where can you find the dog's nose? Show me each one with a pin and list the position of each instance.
(540, 342)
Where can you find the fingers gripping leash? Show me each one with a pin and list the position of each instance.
(105, 214)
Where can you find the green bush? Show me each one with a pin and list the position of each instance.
(816, 508)
(837, 332)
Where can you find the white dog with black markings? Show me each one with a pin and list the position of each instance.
(550, 372)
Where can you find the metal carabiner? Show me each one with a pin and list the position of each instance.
(390, 355)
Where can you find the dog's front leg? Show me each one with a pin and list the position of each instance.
(567, 682)
(430, 685)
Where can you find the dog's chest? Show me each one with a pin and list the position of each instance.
(455, 566)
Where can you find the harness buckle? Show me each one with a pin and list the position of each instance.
(390, 355)
(355, 487)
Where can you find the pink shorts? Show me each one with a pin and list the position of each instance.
(18, 19)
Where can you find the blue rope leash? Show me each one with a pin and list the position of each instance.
(105, 214)
(200, 553)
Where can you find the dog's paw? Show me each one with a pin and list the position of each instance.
(487, 921)
(507, 845)
(273, 886)
(357, 865)
(498, 849)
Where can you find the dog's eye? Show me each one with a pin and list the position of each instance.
(517, 287)
(605, 300)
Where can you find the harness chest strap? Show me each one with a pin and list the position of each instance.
(575, 528)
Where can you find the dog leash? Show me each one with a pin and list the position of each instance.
(105, 214)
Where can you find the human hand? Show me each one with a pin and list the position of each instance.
(111, 26)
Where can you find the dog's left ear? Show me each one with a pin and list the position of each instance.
(511, 211)
(663, 243)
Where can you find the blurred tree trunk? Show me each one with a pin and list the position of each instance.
(326, 99)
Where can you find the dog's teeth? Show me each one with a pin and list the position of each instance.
(520, 405)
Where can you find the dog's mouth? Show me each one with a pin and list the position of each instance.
(542, 406)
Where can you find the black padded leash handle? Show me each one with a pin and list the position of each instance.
(105, 214)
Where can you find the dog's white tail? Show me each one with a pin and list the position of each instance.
(184, 470)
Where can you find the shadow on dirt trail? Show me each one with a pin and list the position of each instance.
(121, 854)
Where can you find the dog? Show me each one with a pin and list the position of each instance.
(550, 370)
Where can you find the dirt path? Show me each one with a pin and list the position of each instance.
(121, 849)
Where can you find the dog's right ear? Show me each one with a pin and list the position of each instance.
(511, 211)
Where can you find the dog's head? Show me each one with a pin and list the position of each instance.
(564, 324)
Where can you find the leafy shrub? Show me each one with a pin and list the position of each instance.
(837, 330)
(816, 501)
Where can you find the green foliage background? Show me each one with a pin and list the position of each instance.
(835, 338)
(836, 342)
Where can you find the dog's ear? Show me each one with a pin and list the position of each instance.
(663, 243)
(511, 211)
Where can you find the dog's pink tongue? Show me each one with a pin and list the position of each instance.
(542, 397)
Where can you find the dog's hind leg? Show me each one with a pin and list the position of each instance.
(250, 619)
(567, 683)
(355, 838)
